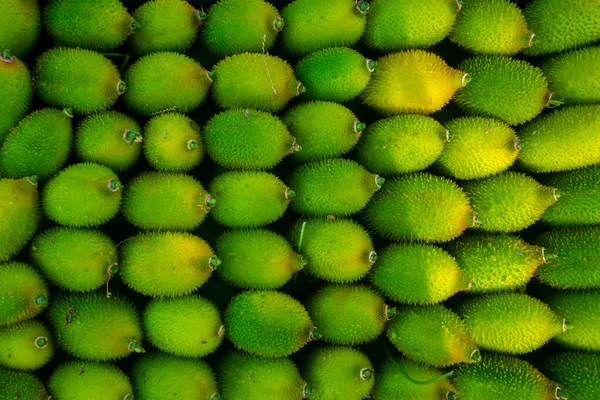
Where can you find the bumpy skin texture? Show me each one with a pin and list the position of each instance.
(95, 327)
(17, 91)
(38, 145)
(332, 187)
(88, 380)
(419, 207)
(312, 25)
(21, 22)
(509, 202)
(477, 148)
(577, 373)
(323, 130)
(491, 27)
(22, 385)
(165, 264)
(248, 199)
(256, 259)
(159, 376)
(431, 335)
(172, 143)
(103, 138)
(267, 323)
(18, 219)
(513, 91)
(165, 81)
(90, 24)
(335, 373)
(417, 274)
(394, 25)
(497, 262)
(335, 74)
(563, 140)
(580, 310)
(246, 377)
(559, 28)
(238, 26)
(412, 82)
(74, 259)
(188, 326)
(165, 25)
(401, 144)
(166, 201)
(247, 139)
(25, 347)
(23, 293)
(81, 196)
(78, 78)
(499, 377)
(510, 323)
(336, 251)
(243, 81)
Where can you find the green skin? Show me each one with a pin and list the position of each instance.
(38, 145)
(90, 24)
(79, 260)
(89, 380)
(22, 385)
(21, 25)
(268, 323)
(248, 140)
(109, 138)
(580, 310)
(25, 347)
(172, 143)
(17, 91)
(577, 373)
(96, 327)
(23, 293)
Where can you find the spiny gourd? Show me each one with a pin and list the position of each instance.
(419, 207)
(432, 335)
(23, 293)
(412, 82)
(254, 81)
(248, 139)
(187, 326)
(268, 323)
(335, 74)
(563, 140)
(26, 346)
(19, 214)
(332, 187)
(248, 199)
(165, 81)
(348, 315)
(491, 27)
(338, 373)
(38, 145)
(397, 25)
(577, 373)
(322, 129)
(477, 148)
(78, 78)
(238, 26)
(22, 385)
(497, 262)
(166, 201)
(336, 250)
(312, 25)
(165, 25)
(509, 202)
(510, 90)
(418, 274)
(17, 89)
(83, 195)
(244, 376)
(172, 143)
(256, 259)
(95, 327)
(166, 264)
(89, 380)
(511, 323)
(109, 138)
(75, 259)
(90, 24)
(21, 25)
(401, 144)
